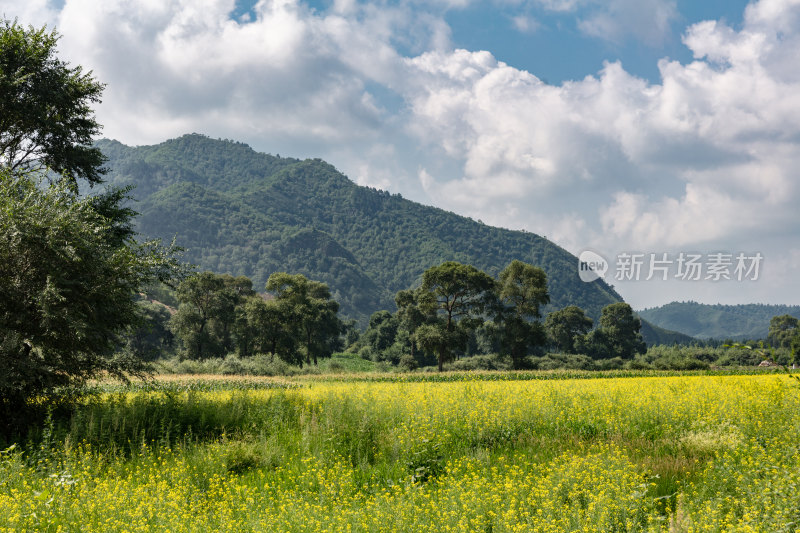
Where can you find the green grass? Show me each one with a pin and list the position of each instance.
(556, 452)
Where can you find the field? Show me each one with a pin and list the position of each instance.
(475, 452)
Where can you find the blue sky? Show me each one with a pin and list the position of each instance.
(621, 126)
(557, 50)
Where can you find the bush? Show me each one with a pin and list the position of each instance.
(680, 363)
(408, 363)
(555, 361)
(480, 362)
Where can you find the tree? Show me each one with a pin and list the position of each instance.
(566, 326)
(522, 288)
(413, 310)
(617, 335)
(46, 119)
(205, 307)
(381, 331)
(460, 294)
(782, 329)
(70, 271)
(270, 329)
(311, 313)
(70, 266)
(152, 338)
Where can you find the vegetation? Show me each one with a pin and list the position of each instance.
(566, 327)
(46, 122)
(70, 267)
(245, 213)
(703, 321)
(679, 453)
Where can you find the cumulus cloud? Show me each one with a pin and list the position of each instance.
(704, 158)
(647, 21)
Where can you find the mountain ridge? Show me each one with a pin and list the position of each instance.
(717, 321)
(248, 213)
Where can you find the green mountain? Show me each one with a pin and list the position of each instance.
(248, 213)
(735, 322)
(653, 334)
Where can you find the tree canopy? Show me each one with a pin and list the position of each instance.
(46, 117)
(69, 273)
(522, 290)
(310, 312)
(565, 327)
(70, 266)
(458, 293)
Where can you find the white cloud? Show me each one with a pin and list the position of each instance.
(706, 158)
(647, 21)
(31, 12)
(525, 23)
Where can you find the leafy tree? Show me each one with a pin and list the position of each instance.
(311, 313)
(617, 335)
(46, 120)
(381, 332)
(566, 326)
(206, 314)
(460, 294)
(413, 310)
(70, 270)
(522, 288)
(150, 339)
(782, 329)
(70, 266)
(269, 329)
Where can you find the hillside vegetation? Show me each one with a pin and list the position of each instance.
(252, 214)
(736, 322)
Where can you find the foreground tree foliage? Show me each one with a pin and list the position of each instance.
(69, 274)
(70, 267)
(46, 121)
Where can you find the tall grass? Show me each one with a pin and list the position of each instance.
(646, 453)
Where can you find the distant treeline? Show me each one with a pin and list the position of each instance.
(457, 311)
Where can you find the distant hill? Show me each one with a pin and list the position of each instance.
(653, 334)
(248, 213)
(736, 322)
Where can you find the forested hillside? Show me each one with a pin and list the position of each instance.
(247, 213)
(736, 322)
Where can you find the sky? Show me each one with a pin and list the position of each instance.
(650, 132)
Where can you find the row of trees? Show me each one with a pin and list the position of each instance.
(459, 309)
(569, 330)
(295, 320)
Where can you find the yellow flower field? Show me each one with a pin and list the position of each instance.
(682, 453)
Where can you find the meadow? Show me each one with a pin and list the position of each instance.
(473, 452)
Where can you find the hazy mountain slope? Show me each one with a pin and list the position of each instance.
(248, 213)
(653, 334)
(737, 322)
